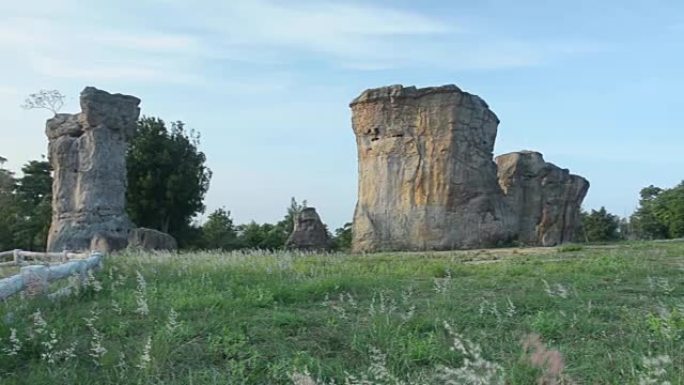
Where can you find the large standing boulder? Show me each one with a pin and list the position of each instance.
(545, 198)
(427, 179)
(87, 152)
(150, 239)
(309, 232)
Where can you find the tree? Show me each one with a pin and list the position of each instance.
(600, 226)
(264, 237)
(34, 200)
(286, 225)
(51, 100)
(646, 222)
(167, 177)
(6, 178)
(668, 208)
(343, 237)
(219, 232)
(7, 207)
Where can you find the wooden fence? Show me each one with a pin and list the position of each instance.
(39, 269)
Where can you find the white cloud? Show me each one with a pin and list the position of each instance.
(87, 53)
(256, 32)
(361, 36)
(97, 70)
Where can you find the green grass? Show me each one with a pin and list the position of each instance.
(256, 319)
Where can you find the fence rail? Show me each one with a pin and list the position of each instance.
(35, 278)
(23, 258)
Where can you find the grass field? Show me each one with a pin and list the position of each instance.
(572, 315)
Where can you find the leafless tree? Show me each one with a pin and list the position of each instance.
(52, 100)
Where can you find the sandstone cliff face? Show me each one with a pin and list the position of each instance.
(427, 179)
(545, 199)
(88, 154)
(309, 233)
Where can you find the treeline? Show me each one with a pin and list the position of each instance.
(167, 182)
(660, 215)
(25, 206)
(219, 232)
(168, 179)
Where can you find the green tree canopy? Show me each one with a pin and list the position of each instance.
(34, 197)
(264, 237)
(219, 231)
(167, 177)
(8, 211)
(26, 207)
(600, 225)
(660, 213)
(668, 207)
(343, 237)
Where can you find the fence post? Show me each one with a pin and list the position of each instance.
(35, 279)
(18, 258)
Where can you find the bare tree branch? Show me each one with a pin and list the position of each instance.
(51, 100)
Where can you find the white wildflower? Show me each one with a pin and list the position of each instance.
(97, 351)
(49, 344)
(15, 344)
(475, 370)
(510, 309)
(145, 358)
(39, 323)
(116, 307)
(172, 323)
(140, 295)
(654, 370)
(67, 354)
(93, 282)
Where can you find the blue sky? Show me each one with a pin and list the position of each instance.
(595, 86)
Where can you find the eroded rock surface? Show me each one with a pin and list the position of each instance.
(427, 179)
(309, 233)
(87, 152)
(150, 239)
(545, 198)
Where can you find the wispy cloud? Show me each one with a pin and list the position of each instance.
(57, 50)
(361, 36)
(263, 33)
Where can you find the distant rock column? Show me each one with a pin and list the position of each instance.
(546, 199)
(87, 152)
(309, 232)
(427, 179)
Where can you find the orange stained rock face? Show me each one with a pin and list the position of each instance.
(413, 146)
(427, 177)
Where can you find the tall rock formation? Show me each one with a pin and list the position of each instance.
(427, 179)
(545, 198)
(309, 232)
(87, 152)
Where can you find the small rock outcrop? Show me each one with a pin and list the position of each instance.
(309, 232)
(150, 239)
(545, 198)
(427, 179)
(87, 152)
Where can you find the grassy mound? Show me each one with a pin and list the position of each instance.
(608, 315)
